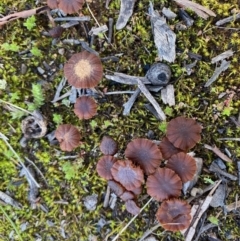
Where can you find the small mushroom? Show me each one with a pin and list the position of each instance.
(132, 207)
(159, 74)
(167, 148)
(56, 32)
(144, 153)
(104, 166)
(116, 187)
(108, 146)
(68, 6)
(85, 107)
(83, 70)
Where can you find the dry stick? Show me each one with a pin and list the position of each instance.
(110, 30)
(227, 20)
(149, 231)
(128, 105)
(218, 152)
(80, 19)
(9, 200)
(124, 228)
(17, 107)
(204, 206)
(106, 199)
(215, 168)
(148, 95)
(228, 139)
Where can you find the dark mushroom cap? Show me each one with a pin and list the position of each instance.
(184, 165)
(164, 184)
(104, 166)
(167, 148)
(127, 196)
(174, 215)
(116, 187)
(68, 137)
(56, 32)
(85, 107)
(83, 70)
(108, 146)
(126, 173)
(183, 132)
(144, 153)
(68, 6)
(132, 207)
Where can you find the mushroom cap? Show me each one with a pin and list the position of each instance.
(174, 214)
(108, 146)
(126, 173)
(132, 207)
(68, 137)
(144, 153)
(85, 107)
(167, 148)
(184, 165)
(127, 196)
(164, 184)
(183, 132)
(116, 187)
(56, 32)
(70, 6)
(52, 4)
(83, 70)
(104, 166)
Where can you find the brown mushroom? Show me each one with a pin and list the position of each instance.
(104, 166)
(174, 215)
(85, 107)
(132, 207)
(127, 196)
(183, 132)
(167, 148)
(184, 165)
(56, 32)
(68, 6)
(126, 173)
(144, 153)
(83, 70)
(68, 137)
(164, 184)
(108, 146)
(116, 187)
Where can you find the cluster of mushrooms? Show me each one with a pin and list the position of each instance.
(163, 168)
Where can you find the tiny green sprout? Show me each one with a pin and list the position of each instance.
(70, 170)
(163, 126)
(93, 124)
(30, 23)
(36, 51)
(106, 124)
(213, 220)
(208, 180)
(168, 111)
(57, 119)
(10, 47)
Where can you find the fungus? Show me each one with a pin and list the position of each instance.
(116, 187)
(184, 165)
(126, 173)
(132, 207)
(127, 196)
(144, 153)
(68, 137)
(104, 166)
(167, 148)
(68, 6)
(83, 70)
(85, 107)
(164, 184)
(174, 214)
(183, 132)
(56, 32)
(108, 146)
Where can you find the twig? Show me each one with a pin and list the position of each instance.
(228, 19)
(80, 19)
(214, 168)
(148, 95)
(126, 226)
(9, 200)
(238, 166)
(228, 139)
(149, 231)
(218, 152)
(17, 107)
(106, 199)
(110, 29)
(128, 105)
(119, 92)
(59, 89)
(222, 56)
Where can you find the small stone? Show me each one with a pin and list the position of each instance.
(23, 69)
(90, 202)
(40, 70)
(61, 51)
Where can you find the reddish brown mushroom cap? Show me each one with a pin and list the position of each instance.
(164, 184)
(83, 70)
(127, 196)
(174, 214)
(127, 174)
(183, 132)
(68, 6)
(144, 153)
(52, 4)
(184, 165)
(167, 148)
(68, 137)
(108, 146)
(132, 207)
(85, 107)
(116, 187)
(104, 166)
(56, 32)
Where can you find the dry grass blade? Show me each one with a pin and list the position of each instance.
(200, 10)
(218, 152)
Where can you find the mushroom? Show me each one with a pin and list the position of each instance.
(174, 214)
(116, 187)
(68, 6)
(183, 132)
(144, 153)
(184, 165)
(164, 184)
(104, 166)
(68, 137)
(85, 107)
(127, 196)
(83, 70)
(167, 148)
(56, 32)
(108, 146)
(132, 207)
(126, 173)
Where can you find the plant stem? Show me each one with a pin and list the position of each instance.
(15, 106)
